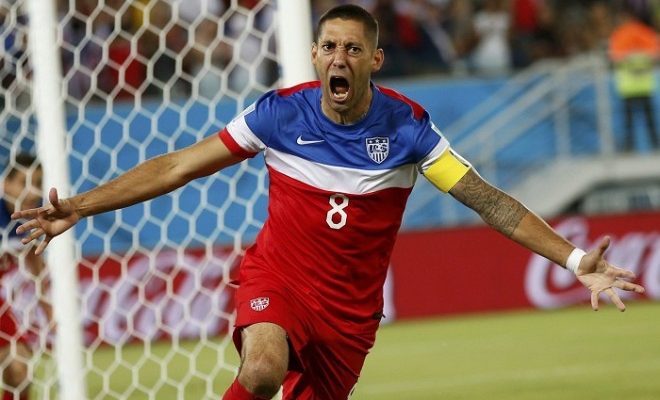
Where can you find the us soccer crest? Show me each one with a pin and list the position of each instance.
(260, 303)
(378, 148)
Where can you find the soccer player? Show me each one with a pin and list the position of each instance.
(21, 190)
(343, 155)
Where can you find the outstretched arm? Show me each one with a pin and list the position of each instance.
(514, 220)
(150, 179)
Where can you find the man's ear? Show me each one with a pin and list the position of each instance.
(379, 58)
(315, 51)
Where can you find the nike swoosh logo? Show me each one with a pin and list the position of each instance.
(303, 142)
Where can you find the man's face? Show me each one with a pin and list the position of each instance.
(344, 58)
(23, 193)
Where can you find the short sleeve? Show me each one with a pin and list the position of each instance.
(240, 138)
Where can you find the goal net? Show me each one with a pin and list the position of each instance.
(141, 78)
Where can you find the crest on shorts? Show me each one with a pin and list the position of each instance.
(259, 303)
(378, 148)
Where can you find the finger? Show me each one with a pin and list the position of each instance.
(594, 300)
(54, 198)
(25, 214)
(35, 234)
(602, 246)
(16, 215)
(631, 287)
(28, 226)
(622, 273)
(615, 299)
(42, 246)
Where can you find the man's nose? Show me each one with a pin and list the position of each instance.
(339, 59)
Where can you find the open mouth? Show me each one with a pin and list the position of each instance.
(339, 88)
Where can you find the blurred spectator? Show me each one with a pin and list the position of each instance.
(460, 27)
(427, 44)
(634, 48)
(385, 12)
(599, 26)
(524, 26)
(545, 39)
(492, 54)
(430, 16)
(412, 37)
(571, 22)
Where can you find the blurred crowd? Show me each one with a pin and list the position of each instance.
(163, 47)
(488, 37)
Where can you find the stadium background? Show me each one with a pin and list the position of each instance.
(135, 275)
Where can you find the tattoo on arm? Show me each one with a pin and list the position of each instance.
(495, 207)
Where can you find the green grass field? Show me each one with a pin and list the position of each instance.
(567, 354)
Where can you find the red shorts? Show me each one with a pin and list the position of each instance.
(8, 326)
(325, 360)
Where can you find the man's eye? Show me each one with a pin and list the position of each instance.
(354, 50)
(327, 47)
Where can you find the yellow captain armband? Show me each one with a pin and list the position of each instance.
(447, 170)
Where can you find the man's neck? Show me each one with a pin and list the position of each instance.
(350, 116)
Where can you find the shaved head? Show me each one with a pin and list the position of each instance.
(353, 13)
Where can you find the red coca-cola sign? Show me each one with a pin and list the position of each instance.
(475, 269)
(635, 245)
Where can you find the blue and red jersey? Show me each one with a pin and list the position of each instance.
(337, 192)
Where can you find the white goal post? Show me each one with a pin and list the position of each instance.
(51, 150)
(142, 297)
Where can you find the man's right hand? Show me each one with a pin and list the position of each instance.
(48, 221)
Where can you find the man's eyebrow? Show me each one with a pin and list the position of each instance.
(347, 44)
